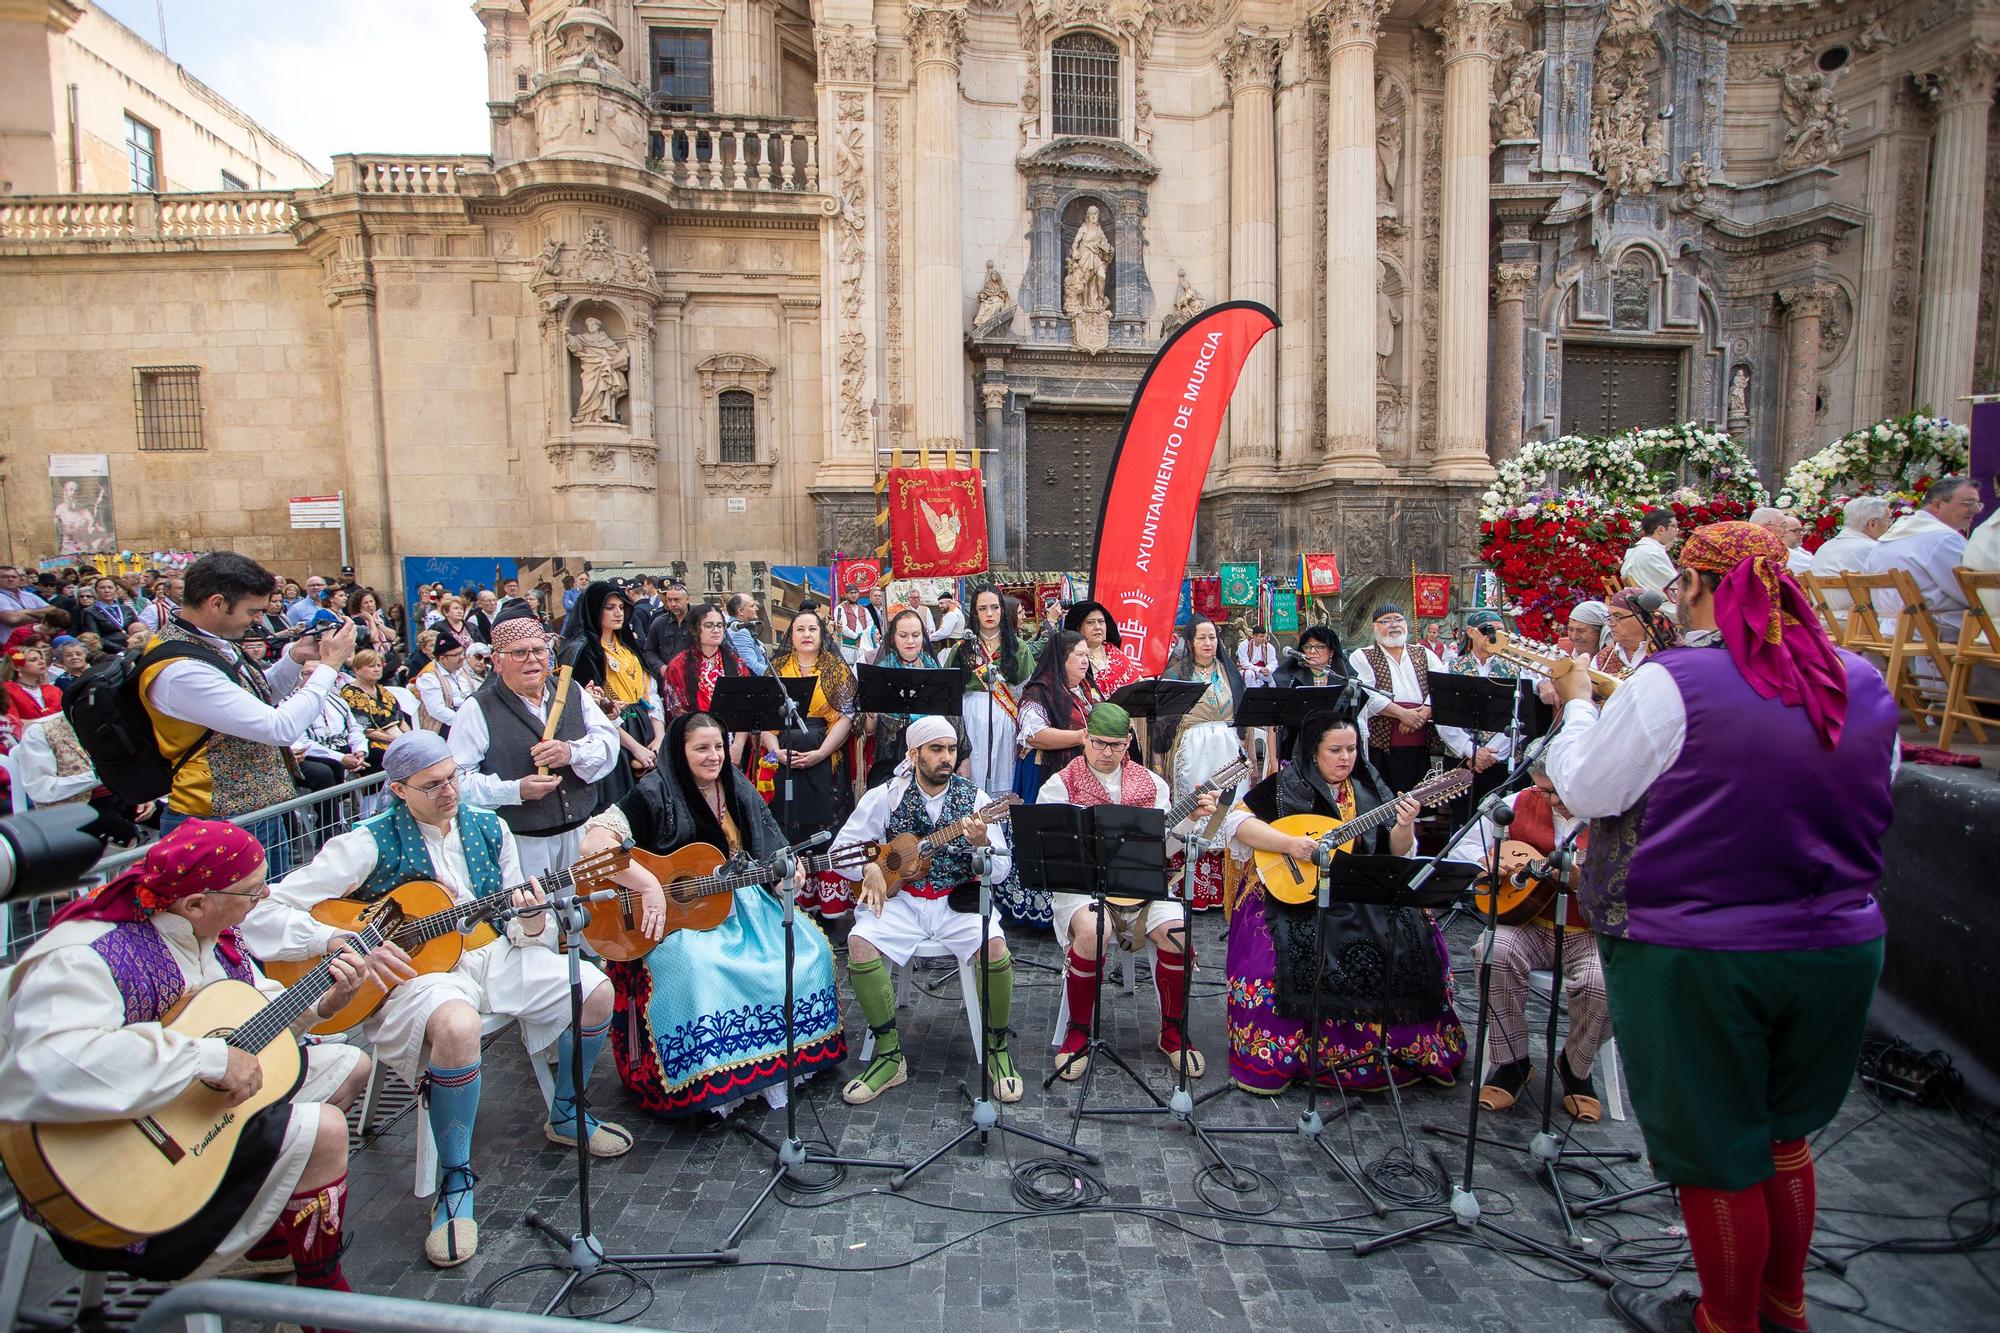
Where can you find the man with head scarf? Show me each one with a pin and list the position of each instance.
(1399, 732)
(541, 789)
(1587, 622)
(85, 1037)
(1104, 774)
(428, 1028)
(926, 794)
(1738, 792)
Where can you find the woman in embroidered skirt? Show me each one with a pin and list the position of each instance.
(1204, 740)
(611, 666)
(699, 1022)
(821, 794)
(1387, 987)
(687, 683)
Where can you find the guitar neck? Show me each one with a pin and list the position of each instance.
(427, 928)
(1184, 807)
(277, 1017)
(996, 813)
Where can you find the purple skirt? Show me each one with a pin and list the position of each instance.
(1267, 1051)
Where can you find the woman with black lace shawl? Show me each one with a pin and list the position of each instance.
(1382, 1020)
(612, 667)
(699, 1021)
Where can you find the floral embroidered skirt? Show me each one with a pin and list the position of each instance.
(700, 1021)
(1267, 1051)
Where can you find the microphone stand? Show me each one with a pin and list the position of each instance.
(583, 1259)
(794, 1152)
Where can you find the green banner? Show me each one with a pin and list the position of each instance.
(1284, 612)
(1239, 585)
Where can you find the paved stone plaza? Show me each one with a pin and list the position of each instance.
(1883, 1172)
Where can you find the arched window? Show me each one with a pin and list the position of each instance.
(736, 426)
(1084, 75)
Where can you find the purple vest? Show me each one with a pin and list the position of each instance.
(1756, 837)
(145, 970)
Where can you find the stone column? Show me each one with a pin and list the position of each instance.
(936, 32)
(1805, 306)
(1947, 331)
(1511, 285)
(1463, 240)
(349, 287)
(1250, 62)
(1352, 445)
(993, 397)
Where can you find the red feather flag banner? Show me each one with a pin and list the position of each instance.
(1158, 471)
(937, 522)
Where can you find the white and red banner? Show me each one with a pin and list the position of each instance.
(1158, 471)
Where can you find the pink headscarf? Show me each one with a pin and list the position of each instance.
(1772, 631)
(200, 855)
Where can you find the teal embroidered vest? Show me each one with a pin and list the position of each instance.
(400, 854)
(952, 867)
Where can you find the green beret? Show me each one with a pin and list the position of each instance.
(1110, 720)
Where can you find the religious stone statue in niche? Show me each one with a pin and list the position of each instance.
(601, 362)
(1084, 279)
(1388, 148)
(993, 300)
(1518, 109)
(1806, 97)
(1632, 294)
(1387, 319)
(1739, 396)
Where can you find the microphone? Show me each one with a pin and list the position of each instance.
(824, 835)
(1294, 655)
(1649, 604)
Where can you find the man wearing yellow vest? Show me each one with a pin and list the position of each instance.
(224, 723)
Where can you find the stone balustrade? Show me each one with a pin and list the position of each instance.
(758, 153)
(406, 174)
(146, 217)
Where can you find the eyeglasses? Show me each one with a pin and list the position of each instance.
(522, 654)
(1108, 742)
(433, 788)
(258, 892)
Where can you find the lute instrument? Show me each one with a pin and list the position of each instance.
(115, 1182)
(908, 857)
(1234, 772)
(1527, 891)
(700, 885)
(434, 928)
(1291, 880)
(1550, 662)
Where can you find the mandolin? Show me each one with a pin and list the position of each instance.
(1290, 880)
(1525, 893)
(1237, 769)
(700, 886)
(434, 928)
(908, 857)
(114, 1182)
(1550, 662)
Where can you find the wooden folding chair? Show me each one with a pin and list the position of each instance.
(1817, 586)
(1978, 647)
(1863, 627)
(1913, 639)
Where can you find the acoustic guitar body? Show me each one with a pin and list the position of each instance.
(115, 1182)
(902, 861)
(614, 926)
(1286, 878)
(1523, 902)
(417, 898)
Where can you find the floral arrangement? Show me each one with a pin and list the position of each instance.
(1609, 470)
(1552, 551)
(1683, 454)
(1897, 457)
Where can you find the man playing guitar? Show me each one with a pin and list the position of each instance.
(1541, 821)
(82, 1039)
(1105, 775)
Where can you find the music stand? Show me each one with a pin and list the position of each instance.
(911, 690)
(1285, 707)
(1473, 703)
(1157, 698)
(1381, 881)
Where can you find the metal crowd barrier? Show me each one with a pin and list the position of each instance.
(202, 1305)
(308, 822)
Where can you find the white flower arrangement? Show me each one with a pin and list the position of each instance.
(1606, 473)
(1687, 453)
(1891, 456)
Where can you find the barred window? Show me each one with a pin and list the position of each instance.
(230, 182)
(1084, 67)
(167, 403)
(142, 153)
(683, 70)
(736, 424)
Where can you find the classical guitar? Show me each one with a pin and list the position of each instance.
(1291, 880)
(435, 929)
(113, 1182)
(1221, 780)
(1550, 662)
(908, 857)
(700, 885)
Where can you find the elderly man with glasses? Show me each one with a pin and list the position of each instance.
(1400, 732)
(428, 1028)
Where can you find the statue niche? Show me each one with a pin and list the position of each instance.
(1088, 274)
(599, 360)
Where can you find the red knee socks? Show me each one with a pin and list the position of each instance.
(1080, 982)
(1170, 977)
(1730, 1235)
(1790, 1201)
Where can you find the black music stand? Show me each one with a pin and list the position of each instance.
(768, 703)
(1475, 704)
(1382, 881)
(912, 690)
(1285, 707)
(1157, 698)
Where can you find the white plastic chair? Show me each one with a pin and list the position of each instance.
(968, 984)
(1607, 1055)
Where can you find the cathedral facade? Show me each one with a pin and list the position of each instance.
(725, 255)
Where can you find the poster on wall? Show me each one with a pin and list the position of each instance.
(80, 492)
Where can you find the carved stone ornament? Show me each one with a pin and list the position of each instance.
(1250, 59)
(993, 397)
(1388, 147)
(1468, 27)
(1627, 140)
(936, 32)
(1350, 21)
(1188, 303)
(1517, 107)
(994, 304)
(1963, 78)
(1513, 282)
(1816, 124)
(740, 371)
(847, 56)
(1808, 300)
(1695, 180)
(1086, 275)
(597, 262)
(850, 221)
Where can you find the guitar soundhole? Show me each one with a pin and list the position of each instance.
(678, 892)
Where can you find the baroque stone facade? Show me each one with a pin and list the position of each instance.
(684, 322)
